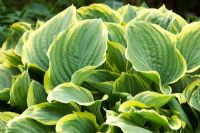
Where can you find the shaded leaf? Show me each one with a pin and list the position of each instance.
(19, 90)
(116, 33)
(6, 74)
(36, 93)
(130, 83)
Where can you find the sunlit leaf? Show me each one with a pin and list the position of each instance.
(80, 122)
(99, 11)
(36, 47)
(84, 45)
(49, 113)
(147, 53)
(27, 125)
(188, 43)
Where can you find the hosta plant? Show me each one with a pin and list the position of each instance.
(95, 69)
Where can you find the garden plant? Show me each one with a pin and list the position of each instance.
(95, 69)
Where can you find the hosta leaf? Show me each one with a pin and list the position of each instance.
(126, 126)
(102, 75)
(99, 11)
(150, 115)
(79, 122)
(5, 94)
(18, 92)
(84, 44)
(188, 43)
(187, 92)
(153, 99)
(114, 4)
(11, 59)
(151, 77)
(35, 48)
(195, 99)
(99, 80)
(174, 105)
(4, 118)
(18, 29)
(117, 98)
(116, 33)
(127, 106)
(22, 40)
(163, 17)
(82, 74)
(147, 53)
(39, 24)
(104, 87)
(36, 94)
(130, 83)
(182, 83)
(191, 93)
(116, 59)
(95, 108)
(6, 82)
(27, 125)
(128, 12)
(49, 113)
(68, 92)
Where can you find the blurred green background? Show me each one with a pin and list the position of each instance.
(32, 10)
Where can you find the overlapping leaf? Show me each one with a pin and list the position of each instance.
(36, 47)
(80, 122)
(111, 71)
(84, 44)
(99, 11)
(163, 17)
(36, 94)
(151, 48)
(4, 118)
(18, 29)
(115, 58)
(49, 114)
(188, 43)
(18, 92)
(130, 83)
(27, 125)
(116, 33)
(68, 92)
(128, 12)
(6, 74)
(125, 124)
(191, 93)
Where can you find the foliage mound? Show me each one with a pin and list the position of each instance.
(95, 69)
